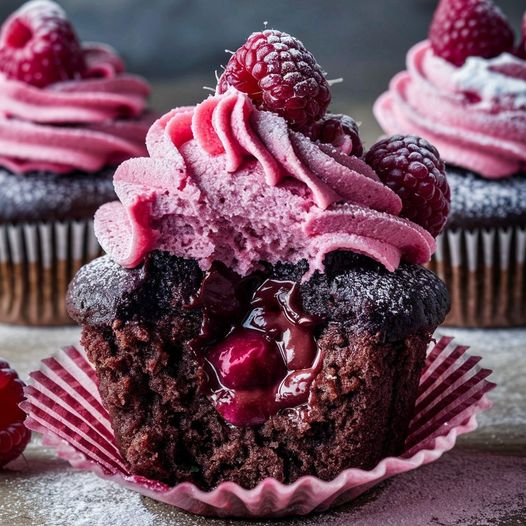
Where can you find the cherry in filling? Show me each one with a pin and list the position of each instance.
(256, 344)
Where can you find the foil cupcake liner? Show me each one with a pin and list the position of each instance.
(37, 262)
(63, 404)
(485, 273)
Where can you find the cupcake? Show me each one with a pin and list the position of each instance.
(69, 114)
(262, 310)
(465, 91)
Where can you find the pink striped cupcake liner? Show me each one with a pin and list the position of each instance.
(63, 404)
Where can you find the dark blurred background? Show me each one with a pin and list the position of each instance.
(178, 44)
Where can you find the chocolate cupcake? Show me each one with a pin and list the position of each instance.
(466, 92)
(68, 115)
(253, 317)
(188, 403)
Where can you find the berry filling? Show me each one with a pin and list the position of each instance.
(256, 344)
(246, 360)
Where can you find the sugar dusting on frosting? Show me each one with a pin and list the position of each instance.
(482, 76)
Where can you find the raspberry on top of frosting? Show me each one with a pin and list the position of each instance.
(65, 106)
(472, 109)
(280, 75)
(469, 28)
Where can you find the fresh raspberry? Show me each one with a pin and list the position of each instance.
(339, 130)
(469, 28)
(412, 168)
(38, 45)
(14, 436)
(279, 75)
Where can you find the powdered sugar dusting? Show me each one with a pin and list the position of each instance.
(464, 488)
(475, 199)
(52, 493)
(484, 132)
(482, 76)
(41, 195)
(245, 186)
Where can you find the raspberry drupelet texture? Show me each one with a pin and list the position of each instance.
(280, 75)
(469, 28)
(14, 435)
(339, 130)
(412, 168)
(38, 45)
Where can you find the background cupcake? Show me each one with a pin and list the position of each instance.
(465, 90)
(68, 114)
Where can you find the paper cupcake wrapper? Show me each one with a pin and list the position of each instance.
(485, 272)
(37, 262)
(63, 404)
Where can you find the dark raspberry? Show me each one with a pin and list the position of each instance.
(412, 168)
(469, 28)
(279, 75)
(14, 436)
(38, 45)
(339, 130)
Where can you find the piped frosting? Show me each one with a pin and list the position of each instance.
(83, 124)
(227, 182)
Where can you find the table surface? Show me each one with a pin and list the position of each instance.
(482, 481)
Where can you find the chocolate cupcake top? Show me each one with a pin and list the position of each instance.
(353, 290)
(44, 196)
(479, 203)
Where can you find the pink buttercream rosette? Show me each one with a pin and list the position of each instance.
(63, 404)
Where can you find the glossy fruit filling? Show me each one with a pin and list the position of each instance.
(257, 346)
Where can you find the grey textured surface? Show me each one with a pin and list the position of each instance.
(481, 482)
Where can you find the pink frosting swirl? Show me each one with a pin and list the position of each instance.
(83, 124)
(226, 182)
(474, 114)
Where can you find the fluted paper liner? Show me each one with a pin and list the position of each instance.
(37, 262)
(485, 273)
(63, 404)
